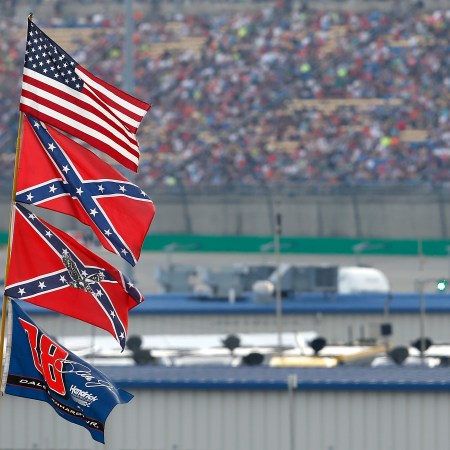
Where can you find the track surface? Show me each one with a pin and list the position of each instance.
(401, 271)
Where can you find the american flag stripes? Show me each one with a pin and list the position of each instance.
(57, 90)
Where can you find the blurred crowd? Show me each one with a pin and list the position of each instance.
(268, 98)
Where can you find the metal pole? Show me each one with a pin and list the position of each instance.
(419, 284)
(128, 86)
(278, 286)
(422, 322)
(128, 71)
(420, 254)
(448, 257)
(292, 385)
(8, 246)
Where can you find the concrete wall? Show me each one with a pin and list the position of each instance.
(242, 420)
(351, 215)
(355, 215)
(216, 7)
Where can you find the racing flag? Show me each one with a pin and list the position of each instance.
(58, 174)
(42, 369)
(51, 269)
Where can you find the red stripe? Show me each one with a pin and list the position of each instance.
(99, 97)
(123, 95)
(77, 101)
(81, 119)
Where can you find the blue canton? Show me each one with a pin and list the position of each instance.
(47, 58)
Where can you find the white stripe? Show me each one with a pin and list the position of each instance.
(113, 97)
(91, 132)
(65, 194)
(120, 115)
(70, 106)
(39, 185)
(37, 278)
(138, 199)
(48, 291)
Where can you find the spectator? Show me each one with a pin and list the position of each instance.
(229, 106)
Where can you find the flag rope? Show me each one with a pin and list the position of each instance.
(8, 248)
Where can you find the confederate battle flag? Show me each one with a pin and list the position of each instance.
(58, 174)
(51, 269)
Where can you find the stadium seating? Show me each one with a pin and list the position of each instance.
(263, 97)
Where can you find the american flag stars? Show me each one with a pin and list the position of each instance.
(50, 60)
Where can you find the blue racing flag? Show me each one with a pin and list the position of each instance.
(42, 369)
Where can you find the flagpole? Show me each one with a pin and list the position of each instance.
(8, 247)
(128, 86)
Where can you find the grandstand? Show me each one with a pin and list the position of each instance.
(260, 99)
(354, 93)
(335, 116)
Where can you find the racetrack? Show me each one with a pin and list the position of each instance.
(402, 271)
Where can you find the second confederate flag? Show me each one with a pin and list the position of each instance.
(51, 269)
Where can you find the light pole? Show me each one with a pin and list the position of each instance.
(292, 382)
(420, 286)
(448, 255)
(129, 85)
(277, 250)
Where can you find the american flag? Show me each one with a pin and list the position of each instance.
(51, 269)
(58, 174)
(57, 90)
